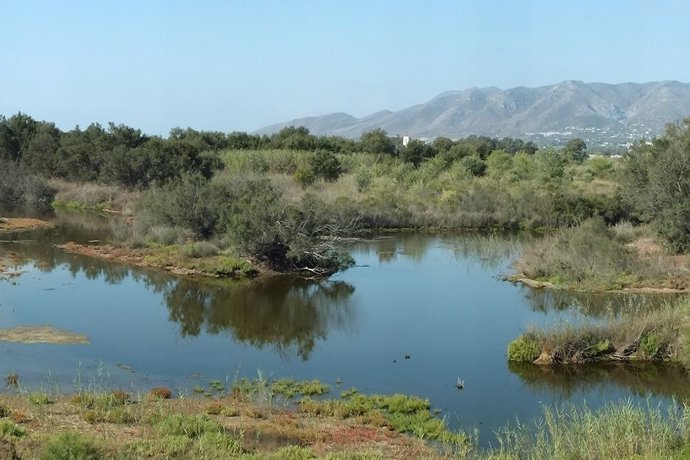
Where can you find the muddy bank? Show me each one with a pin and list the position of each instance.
(20, 224)
(652, 289)
(168, 259)
(41, 334)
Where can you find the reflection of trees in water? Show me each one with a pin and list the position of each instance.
(596, 305)
(666, 379)
(38, 247)
(45, 257)
(410, 246)
(284, 312)
(490, 251)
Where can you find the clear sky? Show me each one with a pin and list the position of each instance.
(241, 65)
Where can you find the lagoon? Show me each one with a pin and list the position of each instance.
(416, 312)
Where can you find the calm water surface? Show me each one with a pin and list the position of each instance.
(436, 299)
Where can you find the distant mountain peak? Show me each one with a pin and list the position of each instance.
(607, 115)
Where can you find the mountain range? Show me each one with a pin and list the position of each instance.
(602, 114)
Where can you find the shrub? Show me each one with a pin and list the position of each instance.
(650, 346)
(305, 176)
(525, 348)
(160, 393)
(9, 428)
(70, 446)
(474, 165)
(325, 165)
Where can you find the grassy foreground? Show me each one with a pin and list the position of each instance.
(256, 419)
(253, 421)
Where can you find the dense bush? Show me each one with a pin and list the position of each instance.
(19, 189)
(250, 213)
(525, 348)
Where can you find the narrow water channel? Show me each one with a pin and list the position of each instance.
(415, 313)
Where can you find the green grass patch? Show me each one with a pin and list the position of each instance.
(39, 399)
(187, 436)
(74, 205)
(70, 446)
(199, 257)
(405, 414)
(289, 388)
(10, 429)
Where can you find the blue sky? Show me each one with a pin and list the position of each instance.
(240, 65)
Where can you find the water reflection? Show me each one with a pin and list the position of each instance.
(594, 305)
(388, 248)
(286, 312)
(490, 251)
(640, 379)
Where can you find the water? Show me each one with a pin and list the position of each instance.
(436, 299)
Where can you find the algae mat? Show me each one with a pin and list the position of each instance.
(41, 334)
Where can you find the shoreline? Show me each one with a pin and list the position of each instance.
(536, 284)
(211, 267)
(22, 224)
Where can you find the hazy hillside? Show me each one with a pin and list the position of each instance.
(602, 114)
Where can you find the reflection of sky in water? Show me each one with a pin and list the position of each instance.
(437, 299)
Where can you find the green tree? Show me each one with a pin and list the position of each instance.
(442, 144)
(15, 134)
(474, 165)
(656, 181)
(294, 138)
(40, 153)
(577, 149)
(377, 142)
(417, 151)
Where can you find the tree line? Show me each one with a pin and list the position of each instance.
(122, 155)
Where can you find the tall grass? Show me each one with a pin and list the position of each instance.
(619, 431)
(90, 195)
(592, 256)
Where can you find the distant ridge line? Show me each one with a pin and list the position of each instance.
(601, 113)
